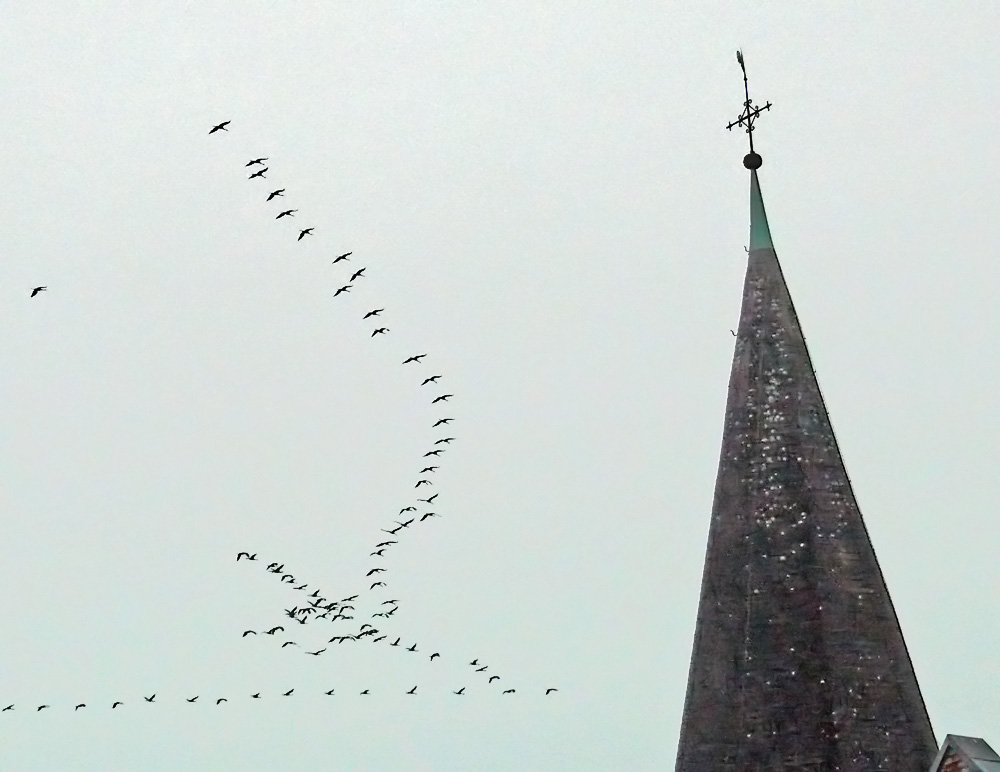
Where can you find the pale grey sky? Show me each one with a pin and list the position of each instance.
(547, 204)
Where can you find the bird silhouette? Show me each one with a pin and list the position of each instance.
(9, 707)
(275, 193)
(378, 553)
(42, 707)
(192, 699)
(345, 256)
(380, 638)
(434, 655)
(422, 482)
(303, 233)
(413, 690)
(249, 632)
(430, 499)
(432, 379)
(365, 692)
(412, 648)
(377, 584)
(373, 312)
(375, 571)
(442, 398)
(395, 642)
(255, 696)
(345, 288)
(288, 693)
(81, 705)
(275, 629)
(358, 274)
(433, 453)
(329, 692)
(475, 662)
(316, 653)
(256, 161)
(549, 691)
(493, 678)
(444, 441)
(380, 331)
(220, 127)
(286, 213)
(150, 698)
(220, 700)
(442, 421)
(387, 602)
(407, 509)
(348, 600)
(289, 643)
(258, 174)
(509, 691)
(460, 691)
(734, 334)
(36, 290)
(415, 358)
(481, 669)
(429, 514)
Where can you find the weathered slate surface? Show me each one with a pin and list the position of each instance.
(798, 660)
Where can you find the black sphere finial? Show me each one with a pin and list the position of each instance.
(752, 160)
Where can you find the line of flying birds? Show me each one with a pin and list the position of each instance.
(254, 696)
(318, 605)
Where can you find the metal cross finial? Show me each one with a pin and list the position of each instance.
(746, 119)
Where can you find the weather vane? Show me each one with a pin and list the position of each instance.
(751, 160)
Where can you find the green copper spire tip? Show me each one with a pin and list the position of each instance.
(760, 234)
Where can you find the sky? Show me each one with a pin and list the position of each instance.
(546, 202)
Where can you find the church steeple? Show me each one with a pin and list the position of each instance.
(798, 660)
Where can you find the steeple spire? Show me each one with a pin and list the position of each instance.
(798, 660)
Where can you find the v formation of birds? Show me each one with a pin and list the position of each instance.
(349, 625)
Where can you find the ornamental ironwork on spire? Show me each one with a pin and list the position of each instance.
(746, 119)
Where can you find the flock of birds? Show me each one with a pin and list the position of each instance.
(319, 606)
